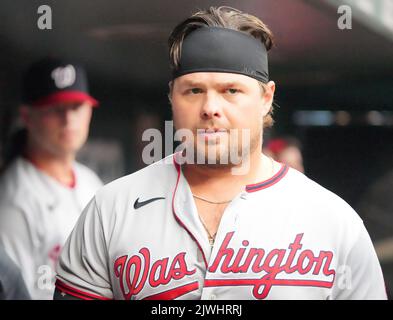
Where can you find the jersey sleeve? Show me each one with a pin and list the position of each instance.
(12, 286)
(360, 277)
(82, 269)
(17, 237)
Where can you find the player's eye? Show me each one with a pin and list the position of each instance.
(195, 90)
(232, 91)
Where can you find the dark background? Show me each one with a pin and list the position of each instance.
(316, 66)
(122, 43)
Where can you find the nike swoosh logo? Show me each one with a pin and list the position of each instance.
(138, 204)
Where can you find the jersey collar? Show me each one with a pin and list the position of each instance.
(259, 185)
(269, 182)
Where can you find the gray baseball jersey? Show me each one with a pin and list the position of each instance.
(284, 238)
(37, 215)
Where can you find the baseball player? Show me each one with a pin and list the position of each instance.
(12, 286)
(43, 190)
(286, 150)
(184, 230)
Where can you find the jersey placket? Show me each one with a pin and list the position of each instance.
(186, 212)
(227, 224)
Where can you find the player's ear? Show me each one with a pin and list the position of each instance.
(268, 97)
(170, 85)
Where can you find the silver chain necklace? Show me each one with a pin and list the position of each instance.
(210, 236)
(210, 201)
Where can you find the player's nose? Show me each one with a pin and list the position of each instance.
(66, 115)
(211, 106)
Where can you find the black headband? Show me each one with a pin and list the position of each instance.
(217, 49)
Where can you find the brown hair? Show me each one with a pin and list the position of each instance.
(225, 17)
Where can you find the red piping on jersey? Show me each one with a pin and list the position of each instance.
(174, 293)
(273, 282)
(177, 166)
(72, 185)
(269, 182)
(77, 293)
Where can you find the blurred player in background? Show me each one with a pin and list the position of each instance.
(286, 150)
(43, 189)
(12, 286)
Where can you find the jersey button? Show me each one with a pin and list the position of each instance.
(212, 297)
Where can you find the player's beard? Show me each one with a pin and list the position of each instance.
(228, 150)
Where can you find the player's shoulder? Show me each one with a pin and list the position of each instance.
(9, 174)
(18, 197)
(155, 178)
(86, 175)
(307, 188)
(15, 181)
(316, 196)
(307, 193)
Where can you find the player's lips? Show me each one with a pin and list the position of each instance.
(211, 133)
(212, 130)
